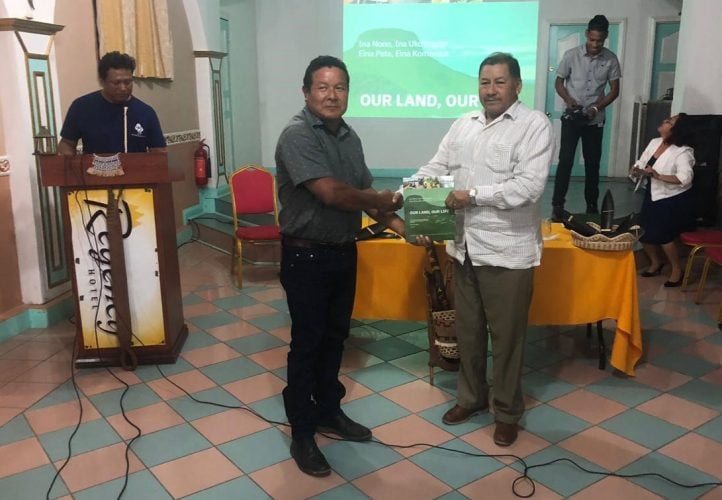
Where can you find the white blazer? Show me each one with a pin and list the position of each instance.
(677, 161)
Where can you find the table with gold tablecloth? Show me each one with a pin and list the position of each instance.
(572, 286)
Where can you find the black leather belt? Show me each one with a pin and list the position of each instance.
(304, 243)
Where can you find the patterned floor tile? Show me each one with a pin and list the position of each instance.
(141, 484)
(401, 480)
(190, 409)
(283, 481)
(345, 491)
(417, 396)
(374, 410)
(685, 363)
(389, 349)
(90, 436)
(678, 411)
(242, 487)
(399, 327)
(700, 392)
(109, 403)
(655, 464)
(26, 455)
(232, 370)
(210, 355)
(456, 469)
(698, 451)
(234, 302)
(577, 372)
(499, 484)
(608, 450)
(353, 460)
(234, 330)
(588, 406)
(614, 487)
(149, 419)
(228, 425)
(195, 472)
(381, 377)
(712, 429)
(562, 477)
(33, 484)
(212, 320)
(98, 466)
(411, 430)
(178, 385)
(53, 418)
(660, 378)
(251, 389)
(269, 447)
(551, 424)
(623, 390)
(271, 359)
(644, 429)
(256, 343)
(153, 450)
(543, 387)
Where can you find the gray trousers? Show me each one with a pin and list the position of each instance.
(500, 298)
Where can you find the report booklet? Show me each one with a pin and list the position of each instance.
(425, 211)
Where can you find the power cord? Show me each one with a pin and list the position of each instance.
(523, 478)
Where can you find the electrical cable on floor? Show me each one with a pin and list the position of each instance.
(515, 484)
(76, 348)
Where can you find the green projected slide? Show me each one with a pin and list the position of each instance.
(421, 60)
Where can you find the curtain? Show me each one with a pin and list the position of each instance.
(139, 28)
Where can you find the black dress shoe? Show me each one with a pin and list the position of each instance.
(557, 213)
(344, 427)
(648, 273)
(309, 458)
(673, 284)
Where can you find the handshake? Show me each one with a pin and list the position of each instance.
(389, 201)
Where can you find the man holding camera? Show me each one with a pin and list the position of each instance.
(582, 78)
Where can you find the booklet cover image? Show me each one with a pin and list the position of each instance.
(425, 211)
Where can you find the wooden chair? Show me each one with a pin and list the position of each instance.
(253, 192)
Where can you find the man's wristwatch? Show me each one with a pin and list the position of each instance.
(472, 197)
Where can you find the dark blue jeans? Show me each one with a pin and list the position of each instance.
(591, 136)
(320, 285)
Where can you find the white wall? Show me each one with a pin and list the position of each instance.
(699, 72)
(245, 80)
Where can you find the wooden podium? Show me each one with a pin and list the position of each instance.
(129, 309)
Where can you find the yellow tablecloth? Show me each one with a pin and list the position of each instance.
(572, 286)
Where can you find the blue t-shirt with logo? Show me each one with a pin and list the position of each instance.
(99, 123)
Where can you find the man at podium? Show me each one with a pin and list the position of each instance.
(111, 120)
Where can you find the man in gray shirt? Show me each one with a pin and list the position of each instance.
(323, 185)
(582, 78)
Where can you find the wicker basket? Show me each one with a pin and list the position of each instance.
(621, 242)
(443, 323)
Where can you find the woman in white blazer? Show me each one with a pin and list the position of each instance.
(667, 207)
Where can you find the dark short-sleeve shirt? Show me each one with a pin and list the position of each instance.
(100, 124)
(307, 150)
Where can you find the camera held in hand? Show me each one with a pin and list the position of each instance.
(576, 114)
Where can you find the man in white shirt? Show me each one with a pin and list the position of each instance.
(500, 159)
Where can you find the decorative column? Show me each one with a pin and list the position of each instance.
(30, 127)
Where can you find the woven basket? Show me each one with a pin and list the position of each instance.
(445, 333)
(621, 242)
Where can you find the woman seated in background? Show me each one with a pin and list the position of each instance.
(667, 207)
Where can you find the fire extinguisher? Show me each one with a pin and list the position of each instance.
(202, 163)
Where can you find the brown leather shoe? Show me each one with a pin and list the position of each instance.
(459, 414)
(505, 434)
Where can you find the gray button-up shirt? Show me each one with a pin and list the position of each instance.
(307, 150)
(587, 76)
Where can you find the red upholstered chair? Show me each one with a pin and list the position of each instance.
(253, 191)
(698, 240)
(712, 254)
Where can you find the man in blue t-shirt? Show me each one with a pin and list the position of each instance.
(111, 120)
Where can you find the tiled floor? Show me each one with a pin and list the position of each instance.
(666, 420)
